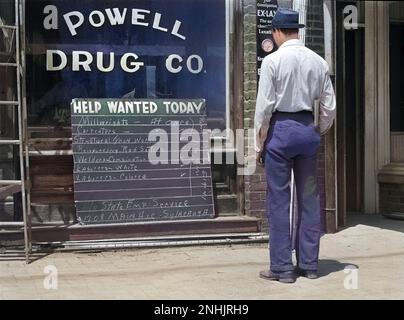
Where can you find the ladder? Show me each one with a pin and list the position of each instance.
(10, 187)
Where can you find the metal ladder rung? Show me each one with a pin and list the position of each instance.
(10, 182)
(7, 26)
(4, 64)
(11, 224)
(5, 142)
(7, 103)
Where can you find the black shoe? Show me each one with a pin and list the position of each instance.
(284, 277)
(309, 274)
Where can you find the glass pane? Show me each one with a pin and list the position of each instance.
(8, 83)
(122, 48)
(6, 162)
(7, 46)
(7, 121)
(7, 35)
(7, 12)
(397, 81)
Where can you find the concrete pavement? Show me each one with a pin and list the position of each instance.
(372, 245)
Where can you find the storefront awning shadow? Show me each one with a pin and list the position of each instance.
(377, 221)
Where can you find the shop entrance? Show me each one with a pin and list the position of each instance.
(396, 89)
(350, 115)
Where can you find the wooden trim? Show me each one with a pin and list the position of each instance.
(377, 109)
(238, 90)
(330, 140)
(340, 119)
(383, 92)
(142, 229)
(397, 146)
(371, 24)
(330, 178)
(359, 89)
(392, 173)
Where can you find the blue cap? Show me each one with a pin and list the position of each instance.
(286, 19)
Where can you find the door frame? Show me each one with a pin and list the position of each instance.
(377, 100)
(376, 122)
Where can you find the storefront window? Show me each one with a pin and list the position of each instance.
(397, 81)
(125, 49)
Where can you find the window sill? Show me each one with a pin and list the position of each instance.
(392, 173)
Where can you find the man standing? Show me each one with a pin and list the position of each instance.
(291, 80)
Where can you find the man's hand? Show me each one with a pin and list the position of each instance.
(259, 159)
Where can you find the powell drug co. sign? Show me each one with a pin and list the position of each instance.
(125, 49)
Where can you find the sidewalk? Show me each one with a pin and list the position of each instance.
(372, 243)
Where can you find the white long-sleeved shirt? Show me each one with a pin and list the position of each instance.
(291, 79)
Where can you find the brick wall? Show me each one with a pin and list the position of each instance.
(255, 185)
(315, 41)
(315, 26)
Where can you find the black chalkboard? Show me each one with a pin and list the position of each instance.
(114, 179)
